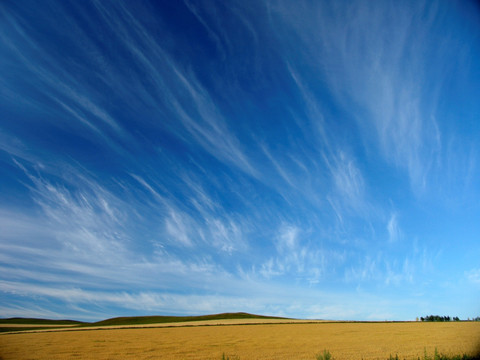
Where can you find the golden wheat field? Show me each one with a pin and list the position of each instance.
(261, 341)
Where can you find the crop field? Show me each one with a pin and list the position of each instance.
(408, 340)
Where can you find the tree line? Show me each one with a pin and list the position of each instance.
(444, 318)
(439, 318)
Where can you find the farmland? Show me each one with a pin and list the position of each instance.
(266, 339)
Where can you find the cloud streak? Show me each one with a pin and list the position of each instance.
(378, 70)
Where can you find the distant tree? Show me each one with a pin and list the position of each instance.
(438, 318)
(455, 318)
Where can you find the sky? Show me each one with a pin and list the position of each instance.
(308, 159)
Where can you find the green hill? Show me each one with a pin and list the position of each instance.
(33, 321)
(121, 321)
(28, 322)
(144, 320)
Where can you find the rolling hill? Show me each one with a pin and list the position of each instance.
(143, 320)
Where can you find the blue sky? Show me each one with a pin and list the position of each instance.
(309, 159)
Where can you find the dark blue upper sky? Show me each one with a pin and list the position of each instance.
(310, 159)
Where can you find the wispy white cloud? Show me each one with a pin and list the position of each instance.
(179, 89)
(177, 226)
(368, 270)
(347, 179)
(59, 83)
(377, 70)
(348, 185)
(200, 221)
(200, 198)
(86, 221)
(15, 147)
(294, 257)
(383, 269)
(18, 226)
(207, 125)
(161, 199)
(348, 197)
(314, 114)
(34, 311)
(212, 33)
(281, 170)
(393, 228)
(90, 231)
(226, 236)
(460, 167)
(68, 261)
(402, 274)
(288, 240)
(271, 269)
(473, 276)
(194, 117)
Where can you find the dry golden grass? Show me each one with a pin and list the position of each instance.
(266, 341)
